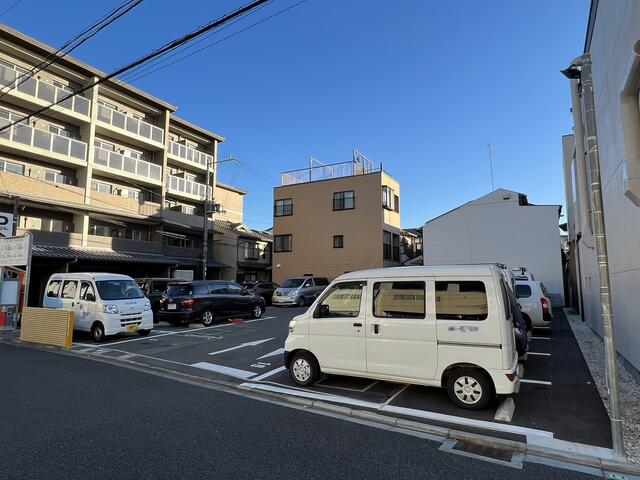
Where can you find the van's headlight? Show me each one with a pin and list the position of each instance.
(110, 308)
(292, 325)
(293, 293)
(147, 307)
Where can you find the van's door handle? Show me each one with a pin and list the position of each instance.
(357, 324)
(376, 328)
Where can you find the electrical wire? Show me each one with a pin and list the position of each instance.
(9, 8)
(78, 39)
(172, 45)
(138, 77)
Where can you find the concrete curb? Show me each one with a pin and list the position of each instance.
(366, 415)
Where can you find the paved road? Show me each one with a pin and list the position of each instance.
(68, 417)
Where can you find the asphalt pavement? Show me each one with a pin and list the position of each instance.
(68, 417)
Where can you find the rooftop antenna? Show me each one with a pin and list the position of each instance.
(490, 148)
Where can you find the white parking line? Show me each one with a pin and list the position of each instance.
(540, 338)
(542, 354)
(537, 382)
(268, 374)
(393, 397)
(278, 351)
(232, 372)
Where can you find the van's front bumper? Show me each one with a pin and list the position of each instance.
(284, 300)
(119, 324)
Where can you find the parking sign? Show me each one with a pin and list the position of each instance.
(6, 225)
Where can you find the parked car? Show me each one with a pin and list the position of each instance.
(519, 326)
(440, 326)
(103, 303)
(299, 291)
(153, 289)
(205, 301)
(535, 303)
(262, 289)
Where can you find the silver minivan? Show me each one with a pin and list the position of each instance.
(300, 291)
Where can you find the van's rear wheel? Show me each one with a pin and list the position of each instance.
(469, 388)
(304, 369)
(97, 332)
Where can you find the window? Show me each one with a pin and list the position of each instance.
(387, 197)
(338, 241)
(105, 145)
(386, 245)
(399, 299)
(461, 300)
(396, 203)
(218, 288)
(282, 243)
(251, 251)
(396, 247)
(101, 187)
(321, 282)
(344, 200)
(63, 132)
(158, 286)
(53, 289)
(544, 290)
(342, 300)
(283, 208)
(87, 289)
(69, 289)
(57, 177)
(118, 289)
(234, 289)
(523, 291)
(11, 167)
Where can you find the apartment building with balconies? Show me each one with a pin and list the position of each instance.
(336, 218)
(110, 179)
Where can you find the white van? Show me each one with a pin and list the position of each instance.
(440, 326)
(103, 303)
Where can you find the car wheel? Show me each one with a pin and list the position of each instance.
(97, 332)
(304, 369)
(144, 333)
(469, 388)
(301, 302)
(257, 311)
(206, 318)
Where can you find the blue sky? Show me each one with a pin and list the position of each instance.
(421, 86)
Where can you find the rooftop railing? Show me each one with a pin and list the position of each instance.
(189, 154)
(130, 124)
(125, 164)
(327, 172)
(10, 78)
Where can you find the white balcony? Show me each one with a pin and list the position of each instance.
(130, 127)
(122, 165)
(34, 143)
(190, 156)
(43, 93)
(187, 188)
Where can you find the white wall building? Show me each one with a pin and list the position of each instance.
(502, 227)
(613, 36)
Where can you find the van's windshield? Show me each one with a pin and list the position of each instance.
(118, 289)
(292, 283)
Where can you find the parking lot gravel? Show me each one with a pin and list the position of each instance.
(592, 349)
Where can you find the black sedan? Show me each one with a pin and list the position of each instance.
(206, 301)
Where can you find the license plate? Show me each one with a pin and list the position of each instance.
(133, 328)
(171, 306)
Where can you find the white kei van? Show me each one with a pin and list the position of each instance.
(103, 303)
(439, 326)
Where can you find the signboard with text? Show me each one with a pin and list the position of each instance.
(14, 251)
(6, 224)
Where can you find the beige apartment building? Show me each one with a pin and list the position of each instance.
(332, 219)
(108, 180)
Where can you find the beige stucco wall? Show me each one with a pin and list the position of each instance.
(232, 203)
(314, 223)
(225, 250)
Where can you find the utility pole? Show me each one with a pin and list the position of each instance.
(580, 69)
(490, 148)
(16, 215)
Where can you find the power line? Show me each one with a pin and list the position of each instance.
(156, 53)
(138, 77)
(9, 8)
(76, 41)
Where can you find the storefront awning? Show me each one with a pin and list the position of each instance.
(98, 255)
(255, 265)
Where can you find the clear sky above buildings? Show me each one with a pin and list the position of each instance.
(420, 85)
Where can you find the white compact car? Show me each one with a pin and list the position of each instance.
(440, 326)
(534, 302)
(103, 303)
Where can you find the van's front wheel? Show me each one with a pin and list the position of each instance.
(304, 369)
(97, 332)
(469, 388)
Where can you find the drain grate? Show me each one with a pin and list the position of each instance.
(483, 451)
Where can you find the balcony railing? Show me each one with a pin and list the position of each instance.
(359, 165)
(51, 142)
(130, 124)
(44, 91)
(189, 154)
(126, 164)
(178, 184)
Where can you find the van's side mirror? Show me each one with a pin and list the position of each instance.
(90, 297)
(323, 310)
